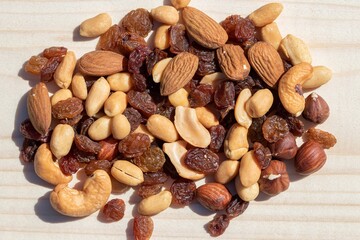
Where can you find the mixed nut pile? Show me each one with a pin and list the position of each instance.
(223, 100)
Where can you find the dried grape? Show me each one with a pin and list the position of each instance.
(326, 139)
(54, 52)
(85, 144)
(134, 117)
(129, 41)
(152, 160)
(67, 108)
(143, 227)
(217, 134)
(202, 160)
(274, 128)
(236, 207)
(137, 59)
(178, 39)
(109, 40)
(69, 164)
(114, 210)
(135, 144)
(145, 191)
(262, 154)
(218, 225)
(28, 131)
(152, 178)
(35, 64)
(48, 70)
(183, 191)
(138, 21)
(201, 95)
(142, 101)
(92, 166)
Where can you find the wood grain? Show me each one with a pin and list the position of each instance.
(325, 205)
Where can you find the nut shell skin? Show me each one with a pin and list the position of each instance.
(285, 148)
(309, 158)
(274, 179)
(316, 109)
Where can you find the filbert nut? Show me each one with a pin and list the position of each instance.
(309, 158)
(274, 179)
(285, 148)
(316, 109)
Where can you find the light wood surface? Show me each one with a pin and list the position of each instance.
(325, 205)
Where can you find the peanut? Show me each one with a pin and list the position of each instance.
(295, 50)
(178, 4)
(162, 37)
(61, 140)
(266, 14)
(260, 103)
(241, 116)
(155, 204)
(64, 72)
(165, 14)
(162, 128)
(97, 96)
(120, 126)
(115, 104)
(95, 26)
(270, 33)
(321, 75)
(207, 116)
(179, 98)
(143, 129)
(236, 143)
(127, 173)
(78, 86)
(100, 129)
(61, 94)
(227, 171)
(247, 193)
(159, 69)
(120, 81)
(249, 170)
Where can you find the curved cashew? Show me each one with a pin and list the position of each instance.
(46, 168)
(75, 203)
(190, 128)
(290, 85)
(241, 116)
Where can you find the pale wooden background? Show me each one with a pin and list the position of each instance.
(325, 205)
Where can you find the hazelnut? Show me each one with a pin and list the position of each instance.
(213, 196)
(316, 109)
(309, 158)
(285, 148)
(274, 179)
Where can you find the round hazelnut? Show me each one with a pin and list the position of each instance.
(309, 158)
(285, 148)
(274, 179)
(316, 109)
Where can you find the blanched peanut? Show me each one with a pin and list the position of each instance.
(260, 103)
(165, 14)
(95, 26)
(250, 170)
(227, 171)
(247, 193)
(64, 72)
(241, 116)
(320, 76)
(236, 143)
(120, 126)
(127, 173)
(59, 95)
(100, 129)
(158, 69)
(213, 79)
(162, 37)
(120, 81)
(207, 117)
(78, 86)
(97, 96)
(162, 128)
(115, 104)
(155, 204)
(143, 129)
(294, 49)
(61, 140)
(179, 98)
(178, 4)
(271, 34)
(266, 14)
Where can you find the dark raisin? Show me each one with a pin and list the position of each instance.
(54, 52)
(72, 121)
(142, 102)
(236, 207)
(145, 191)
(28, 150)
(178, 39)
(255, 133)
(207, 64)
(218, 225)
(165, 109)
(28, 131)
(138, 21)
(85, 124)
(274, 128)
(92, 166)
(152, 160)
(154, 57)
(137, 59)
(143, 227)
(217, 134)
(85, 144)
(201, 95)
(152, 178)
(80, 156)
(134, 117)
(248, 82)
(183, 191)
(109, 40)
(169, 169)
(228, 120)
(262, 154)
(129, 41)
(69, 164)
(139, 82)
(48, 70)
(135, 144)
(224, 97)
(114, 210)
(67, 108)
(202, 160)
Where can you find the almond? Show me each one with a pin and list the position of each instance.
(267, 62)
(233, 62)
(39, 108)
(178, 72)
(101, 63)
(213, 196)
(203, 29)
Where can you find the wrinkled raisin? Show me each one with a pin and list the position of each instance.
(138, 21)
(248, 82)
(218, 225)
(69, 164)
(169, 169)
(165, 109)
(152, 160)
(67, 108)
(109, 40)
(236, 207)
(201, 95)
(274, 128)
(35, 64)
(142, 102)
(129, 41)
(83, 157)
(109, 149)
(202, 160)
(143, 227)
(326, 139)
(228, 120)
(72, 121)
(28, 150)
(255, 133)
(207, 64)
(262, 155)
(92, 166)
(183, 191)
(54, 52)
(134, 117)
(224, 97)
(155, 56)
(139, 82)
(178, 39)
(84, 125)
(152, 178)
(240, 30)
(137, 59)
(217, 134)
(145, 191)
(28, 131)
(135, 144)
(85, 144)
(114, 210)
(48, 70)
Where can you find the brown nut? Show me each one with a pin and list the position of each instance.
(213, 196)
(309, 158)
(285, 148)
(316, 109)
(274, 179)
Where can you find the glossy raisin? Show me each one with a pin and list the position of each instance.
(255, 133)
(81, 156)
(145, 191)
(67, 108)
(109, 40)
(224, 97)
(178, 39)
(134, 117)
(114, 210)
(202, 160)
(139, 82)
(69, 164)
(138, 21)
(217, 134)
(143, 227)
(165, 109)
(54, 52)
(183, 191)
(218, 225)
(92, 166)
(240, 30)
(84, 125)
(35, 64)
(152, 178)
(201, 95)
(236, 207)
(85, 144)
(109, 149)
(129, 41)
(142, 101)
(262, 154)
(207, 63)
(155, 56)
(137, 59)
(152, 160)
(169, 169)
(28, 150)
(135, 144)
(48, 70)
(72, 121)
(274, 128)
(326, 139)
(248, 82)
(28, 131)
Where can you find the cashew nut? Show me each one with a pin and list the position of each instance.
(321, 75)
(75, 203)
(240, 113)
(190, 128)
(46, 168)
(290, 92)
(176, 151)
(236, 143)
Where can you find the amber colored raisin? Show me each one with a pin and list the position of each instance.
(54, 52)
(114, 210)
(137, 59)
(201, 95)
(69, 164)
(296, 126)
(28, 131)
(207, 64)
(85, 144)
(262, 154)
(155, 56)
(145, 191)
(109, 149)
(236, 207)
(218, 225)
(240, 30)
(28, 150)
(138, 21)
(202, 160)
(183, 191)
(217, 134)
(143, 227)
(67, 108)
(35, 64)
(129, 41)
(142, 101)
(178, 39)
(224, 97)
(326, 139)
(92, 166)
(152, 178)
(255, 133)
(109, 40)
(135, 144)
(152, 160)
(134, 117)
(274, 128)
(48, 70)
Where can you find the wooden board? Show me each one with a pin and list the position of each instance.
(325, 205)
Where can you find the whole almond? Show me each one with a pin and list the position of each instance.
(39, 108)
(203, 29)
(101, 63)
(213, 196)
(233, 62)
(178, 72)
(267, 62)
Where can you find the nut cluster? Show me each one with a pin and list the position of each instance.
(122, 108)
